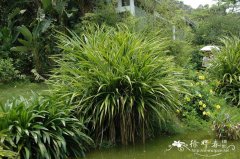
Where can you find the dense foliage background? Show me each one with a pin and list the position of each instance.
(114, 77)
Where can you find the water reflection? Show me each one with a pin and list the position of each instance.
(156, 149)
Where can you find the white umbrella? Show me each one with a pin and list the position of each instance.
(209, 48)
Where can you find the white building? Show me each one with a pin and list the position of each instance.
(126, 5)
(208, 54)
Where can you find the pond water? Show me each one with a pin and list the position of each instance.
(198, 145)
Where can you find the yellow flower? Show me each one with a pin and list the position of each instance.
(211, 91)
(199, 95)
(217, 106)
(201, 108)
(200, 103)
(178, 111)
(187, 99)
(204, 105)
(206, 113)
(201, 77)
(218, 83)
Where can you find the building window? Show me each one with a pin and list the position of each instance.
(125, 2)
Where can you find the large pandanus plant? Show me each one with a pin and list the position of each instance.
(225, 69)
(122, 81)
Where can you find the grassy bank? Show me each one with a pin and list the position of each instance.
(8, 91)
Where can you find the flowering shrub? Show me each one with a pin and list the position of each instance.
(202, 103)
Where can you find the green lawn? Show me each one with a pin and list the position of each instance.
(8, 91)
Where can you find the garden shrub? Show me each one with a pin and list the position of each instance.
(7, 70)
(226, 69)
(5, 41)
(182, 52)
(42, 128)
(121, 80)
(196, 59)
(103, 14)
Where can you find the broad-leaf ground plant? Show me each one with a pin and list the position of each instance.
(42, 128)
